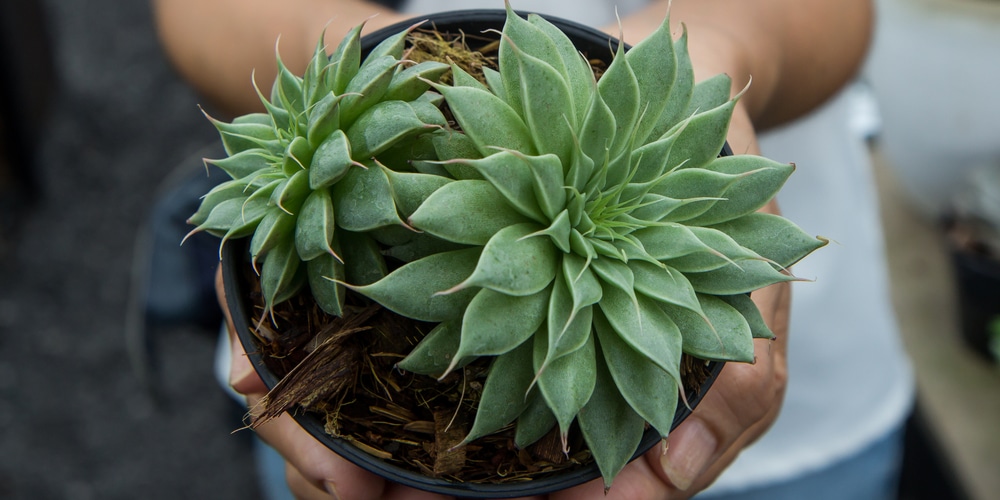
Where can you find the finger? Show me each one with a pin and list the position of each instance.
(317, 465)
(637, 481)
(400, 492)
(739, 408)
(301, 488)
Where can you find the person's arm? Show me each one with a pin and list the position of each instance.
(216, 44)
(798, 52)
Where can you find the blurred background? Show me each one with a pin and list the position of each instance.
(99, 402)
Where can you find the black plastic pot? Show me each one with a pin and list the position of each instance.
(978, 284)
(594, 44)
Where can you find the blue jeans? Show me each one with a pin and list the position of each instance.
(871, 474)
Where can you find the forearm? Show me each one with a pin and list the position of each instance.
(798, 52)
(216, 44)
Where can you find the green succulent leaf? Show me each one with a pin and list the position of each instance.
(331, 161)
(746, 307)
(413, 289)
(412, 82)
(700, 138)
(610, 427)
(643, 325)
(314, 226)
(665, 284)
(434, 353)
(535, 421)
(363, 200)
(579, 76)
(469, 212)
(238, 137)
(410, 189)
(654, 64)
(324, 118)
(752, 275)
(490, 122)
(367, 88)
(245, 163)
(619, 89)
(504, 393)
(513, 264)
(323, 273)
(513, 178)
(279, 276)
(548, 107)
(724, 251)
(382, 126)
(758, 179)
(727, 337)
(771, 236)
(346, 61)
(708, 94)
(680, 91)
(649, 390)
(567, 382)
(363, 259)
(568, 328)
(276, 227)
(495, 323)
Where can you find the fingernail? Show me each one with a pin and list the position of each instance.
(331, 488)
(691, 447)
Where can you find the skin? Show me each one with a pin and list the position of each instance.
(799, 52)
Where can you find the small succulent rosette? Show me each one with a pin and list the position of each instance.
(582, 231)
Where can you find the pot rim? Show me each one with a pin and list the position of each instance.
(234, 255)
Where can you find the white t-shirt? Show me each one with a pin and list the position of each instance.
(850, 382)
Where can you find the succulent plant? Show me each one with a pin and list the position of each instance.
(601, 236)
(582, 231)
(304, 184)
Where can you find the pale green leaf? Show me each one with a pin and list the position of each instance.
(752, 275)
(504, 393)
(758, 180)
(366, 88)
(487, 120)
(567, 382)
(610, 427)
(331, 161)
(279, 276)
(642, 324)
(665, 284)
(746, 307)
(382, 126)
(619, 88)
(514, 179)
(548, 107)
(535, 421)
(513, 264)
(468, 212)
(321, 272)
(772, 237)
(413, 289)
(650, 391)
(409, 189)
(363, 200)
(495, 323)
(363, 262)
(315, 225)
(244, 163)
(434, 353)
(726, 338)
(655, 66)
